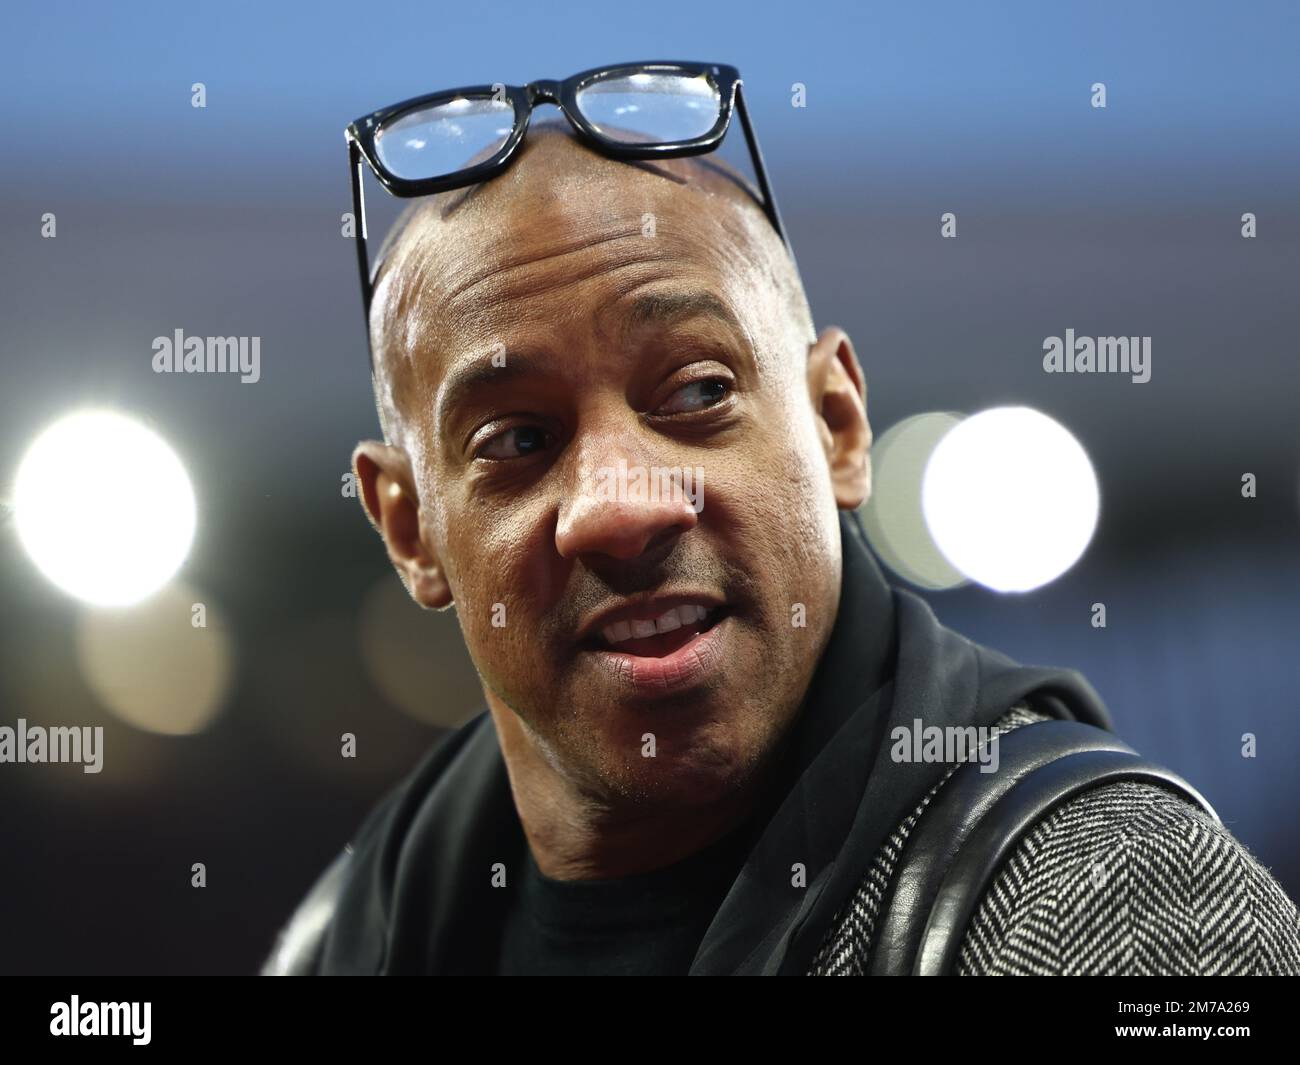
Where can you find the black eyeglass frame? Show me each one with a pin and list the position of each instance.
(361, 136)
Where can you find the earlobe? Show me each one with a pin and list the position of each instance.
(838, 394)
(388, 496)
(428, 586)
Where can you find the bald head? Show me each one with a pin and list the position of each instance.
(455, 264)
(557, 348)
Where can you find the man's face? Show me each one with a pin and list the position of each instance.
(608, 431)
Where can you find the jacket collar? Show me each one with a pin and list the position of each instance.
(421, 900)
(851, 795)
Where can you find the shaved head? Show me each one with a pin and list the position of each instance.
(434, 252)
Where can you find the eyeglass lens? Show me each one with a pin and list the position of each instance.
(440, 140)
(642, 108)
(650, 108)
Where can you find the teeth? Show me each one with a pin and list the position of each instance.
(618, 632)
(668, 622)
(689, 614)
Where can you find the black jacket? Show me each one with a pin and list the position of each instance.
(407, 896)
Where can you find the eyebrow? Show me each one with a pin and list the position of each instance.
(664, 308)
(653, 308)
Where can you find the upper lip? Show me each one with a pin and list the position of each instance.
(645, 607)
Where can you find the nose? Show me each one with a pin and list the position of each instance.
(622, 506)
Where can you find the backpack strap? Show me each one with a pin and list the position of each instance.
(974, 823)
(301, 940)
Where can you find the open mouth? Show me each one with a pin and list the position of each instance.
(661, 636)
(663, 648)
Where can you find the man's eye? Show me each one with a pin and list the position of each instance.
(697, 395)
(518, 442)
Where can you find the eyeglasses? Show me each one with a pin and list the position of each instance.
(447, 140)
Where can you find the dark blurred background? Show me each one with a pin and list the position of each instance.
(226, 220)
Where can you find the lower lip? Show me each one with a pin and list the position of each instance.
(685, 668)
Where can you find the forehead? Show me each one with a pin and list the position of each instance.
(561, 198)
(566, 234)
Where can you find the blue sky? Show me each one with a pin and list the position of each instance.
(969, 91)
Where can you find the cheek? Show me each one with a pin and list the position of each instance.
(809, 491)
(814, 501)
(497, 582)
(772, 506)
(499, 634)
(781, 482)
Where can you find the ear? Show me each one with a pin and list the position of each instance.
(388, 496)
(838, 394)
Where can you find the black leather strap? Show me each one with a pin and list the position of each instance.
(992, 841)
(959, 844)
(974, 823)
(298, 946)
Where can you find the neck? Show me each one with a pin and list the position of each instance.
(576, 835)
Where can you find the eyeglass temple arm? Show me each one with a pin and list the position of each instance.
(356, 165)
(756, 156)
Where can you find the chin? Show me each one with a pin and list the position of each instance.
(684, 771)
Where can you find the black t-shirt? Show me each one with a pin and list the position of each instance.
(647, 925)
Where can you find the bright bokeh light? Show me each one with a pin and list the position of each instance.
(153, 667)
(1010, 498)
(892, 517)
(416, 658)
(104, 508)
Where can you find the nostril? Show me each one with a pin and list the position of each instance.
(616, 534)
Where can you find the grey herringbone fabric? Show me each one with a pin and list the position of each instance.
(848, 944)
(1131, 879)
(1127, 878)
